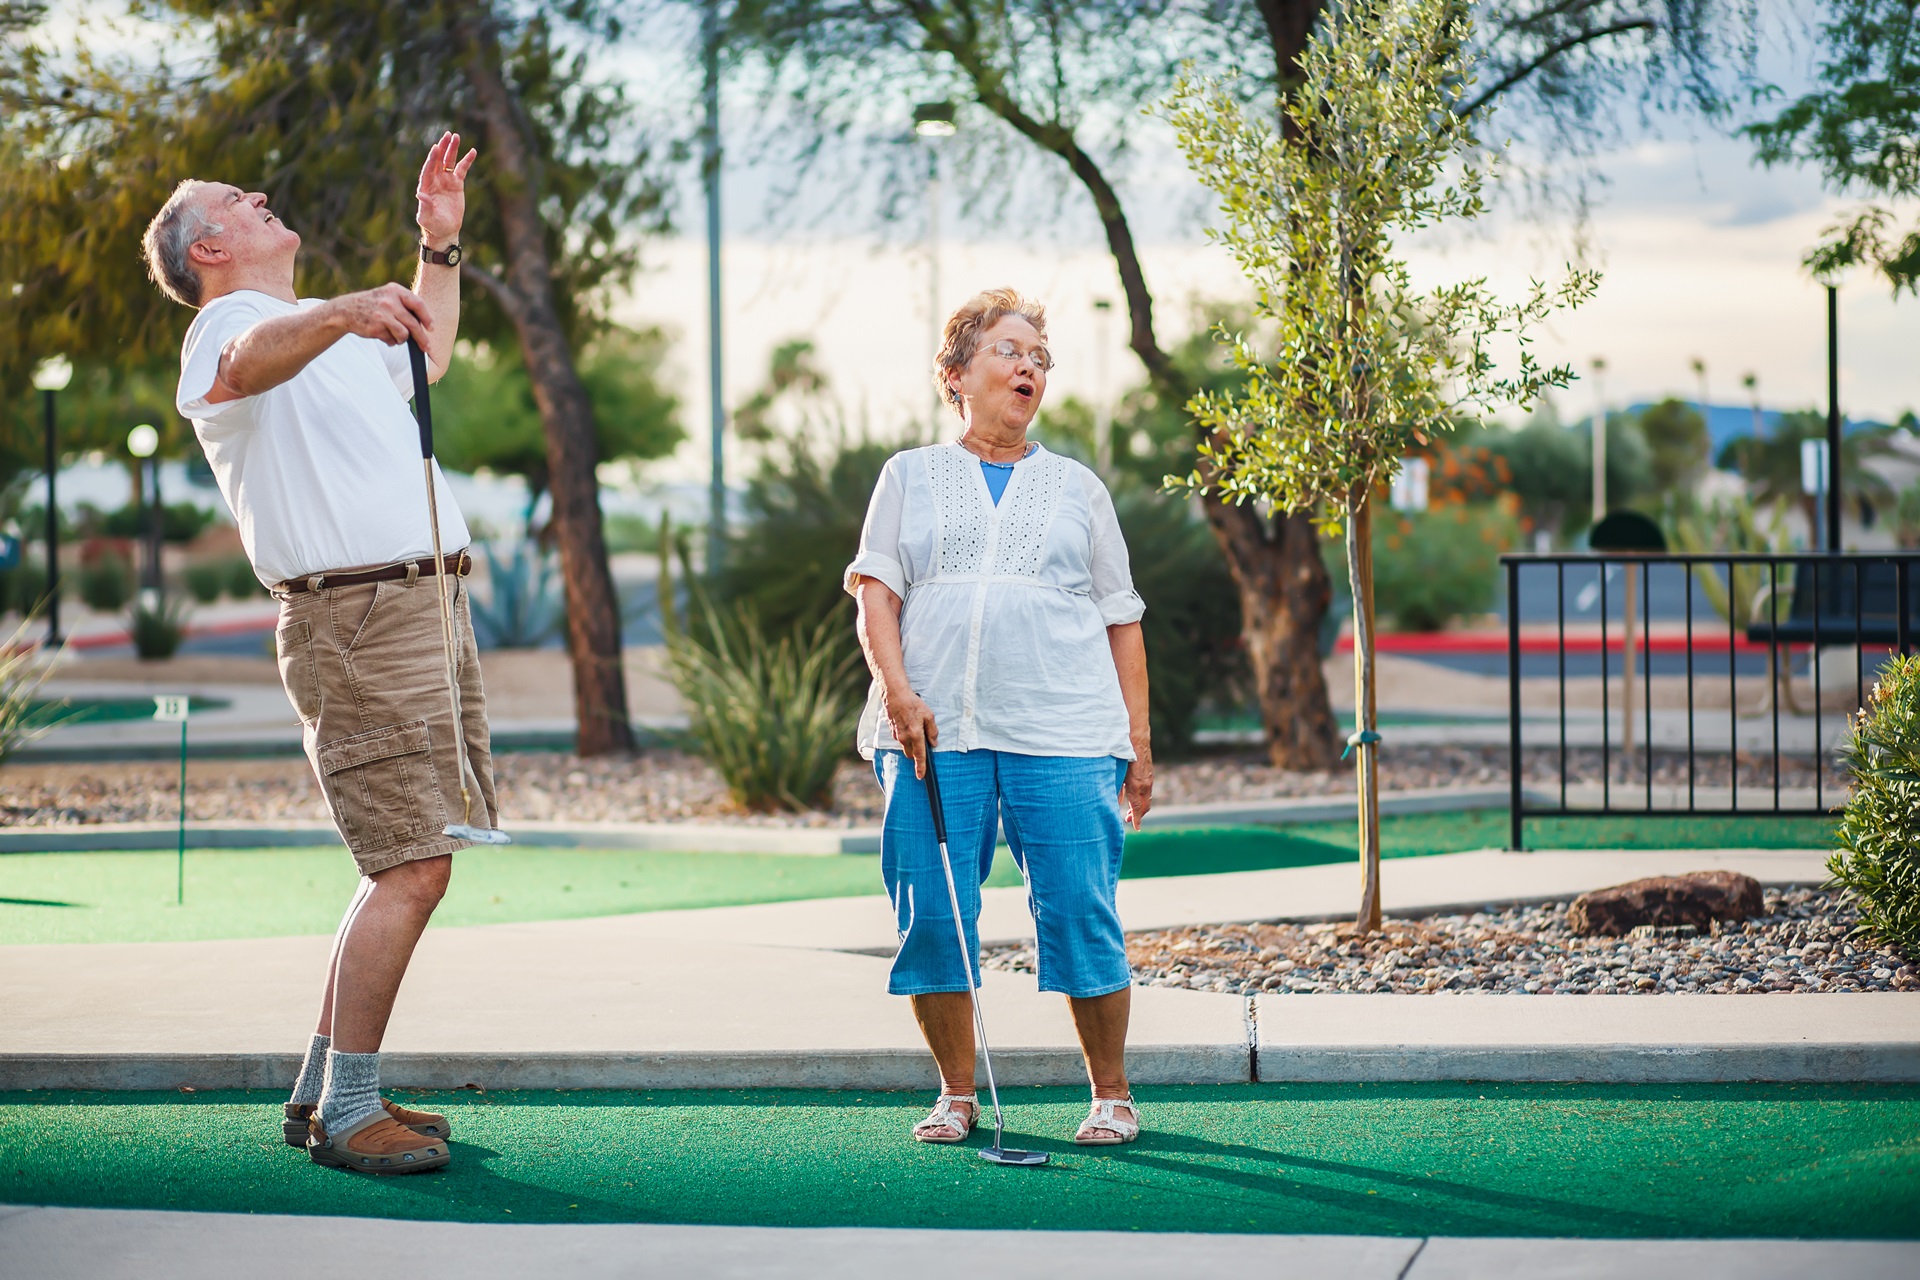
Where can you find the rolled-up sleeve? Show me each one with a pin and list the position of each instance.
(1113, 591)
(879, 556)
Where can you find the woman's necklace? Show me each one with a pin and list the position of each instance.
(1026, 450)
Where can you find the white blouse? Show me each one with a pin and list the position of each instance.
(1004, 625)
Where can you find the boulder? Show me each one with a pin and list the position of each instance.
(1697, 898)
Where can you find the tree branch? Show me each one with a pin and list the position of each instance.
(1551, 52)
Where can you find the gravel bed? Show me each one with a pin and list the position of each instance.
(1801, 944)
(667, 786)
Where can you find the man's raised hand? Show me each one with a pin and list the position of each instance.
(390, 314)
(443, 191)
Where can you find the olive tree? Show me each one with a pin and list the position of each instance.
(1357, 365)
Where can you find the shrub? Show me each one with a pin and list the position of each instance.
(23, 587)
(179, 521)
(1876, 861)
(242, 582)
(1192, 623)
(206, 580)
(107, 583)
(523, 608)
(1432, 567)
(158, 631)
(774, 715)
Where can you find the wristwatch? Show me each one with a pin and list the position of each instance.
(450, 258)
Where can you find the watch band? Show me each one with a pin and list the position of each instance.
(448, 258)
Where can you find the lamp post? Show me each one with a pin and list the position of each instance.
(934, 121)
(1751, 381)
(141, 443)
(51, 377)
(1833, 412)
(710, 171)
(1102, 397)
(1599, 440)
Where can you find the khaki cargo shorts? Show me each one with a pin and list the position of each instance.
(365, 671)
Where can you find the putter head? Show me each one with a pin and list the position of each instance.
(1003, 1155)
(479, 835)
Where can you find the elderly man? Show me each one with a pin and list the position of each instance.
(301, 407)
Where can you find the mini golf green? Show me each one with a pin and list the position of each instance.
(252, 893)
(1830, 1161)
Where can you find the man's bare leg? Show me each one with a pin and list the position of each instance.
(376, 945)
(324, 1026)
(313, 1067)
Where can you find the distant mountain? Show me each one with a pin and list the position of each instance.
(1733, 422)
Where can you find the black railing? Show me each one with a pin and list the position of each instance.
(1679, 620)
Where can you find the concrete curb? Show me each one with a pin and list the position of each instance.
(693, 1069)
(1225, 1063)
(1785, 1062)
(687, 837)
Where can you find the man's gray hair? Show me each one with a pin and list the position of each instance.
(170, 235)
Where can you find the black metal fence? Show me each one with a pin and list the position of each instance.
(1669, 636)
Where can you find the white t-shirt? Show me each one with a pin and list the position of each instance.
(323, 471)
(1004, 625)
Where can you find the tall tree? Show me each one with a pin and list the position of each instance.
(325, 105)
(1362, 368)
(1069, 80)
(1859, 129)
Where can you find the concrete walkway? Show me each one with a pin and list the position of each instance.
(124, 1244)
(793, 994)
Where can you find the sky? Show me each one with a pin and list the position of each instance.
(1699, 250)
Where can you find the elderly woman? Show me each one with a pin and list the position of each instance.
(999, 619)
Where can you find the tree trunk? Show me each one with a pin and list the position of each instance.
(1284, 592)
(1366, 739)
(566, 415)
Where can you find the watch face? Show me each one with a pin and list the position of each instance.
(453, 255)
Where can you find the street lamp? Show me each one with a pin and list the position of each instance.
(141, 443)
(1102, 400)
(1831, 281)
(934, 121)
(51, 377)
(1599, 440)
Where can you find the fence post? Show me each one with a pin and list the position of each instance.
(1514, 817)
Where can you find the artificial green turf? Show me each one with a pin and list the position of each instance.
(250, 893)
(1834, 1161)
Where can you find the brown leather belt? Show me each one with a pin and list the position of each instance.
(459, 563)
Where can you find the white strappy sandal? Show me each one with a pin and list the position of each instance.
(946, 1115)
(1102, 1116)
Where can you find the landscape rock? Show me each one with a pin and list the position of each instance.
(1697, 898)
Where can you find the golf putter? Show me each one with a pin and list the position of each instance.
(423, 413)
(995, 1154)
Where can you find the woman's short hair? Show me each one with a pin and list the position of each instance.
(961, 337)
(170, 235)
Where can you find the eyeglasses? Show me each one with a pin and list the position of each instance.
(1006, 349)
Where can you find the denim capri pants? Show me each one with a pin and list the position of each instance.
(1062, 819)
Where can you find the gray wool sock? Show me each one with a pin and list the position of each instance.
(313, 1073)
(353, 1089)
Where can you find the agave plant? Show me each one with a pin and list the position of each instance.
(524, 608)
(773, 714)
(24, 716)
(157, 626)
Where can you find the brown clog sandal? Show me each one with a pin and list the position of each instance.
(427, 1124)
(378, 1144)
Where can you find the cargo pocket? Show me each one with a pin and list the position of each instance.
(383, 787)
(293, 644)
